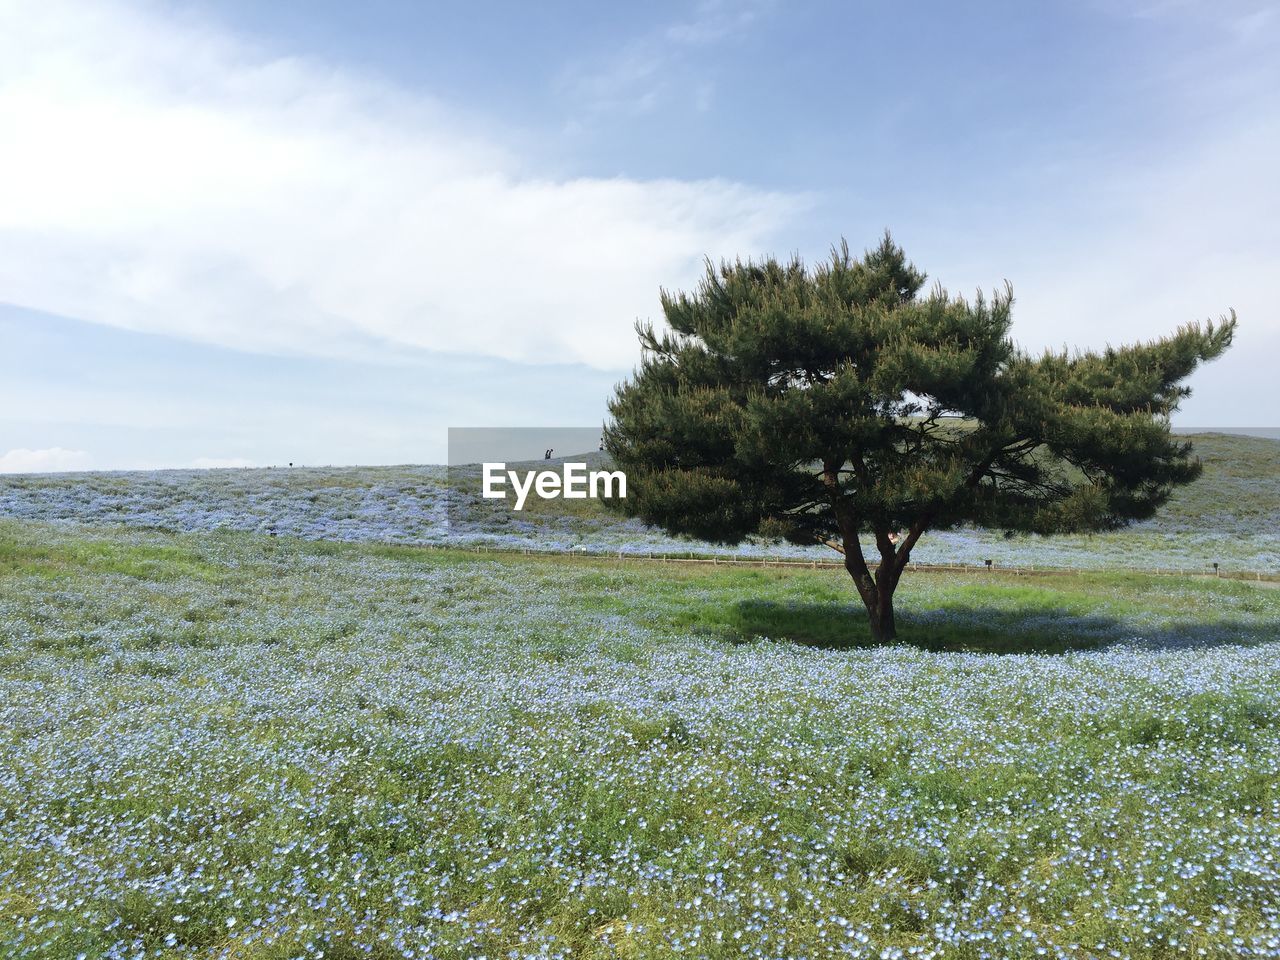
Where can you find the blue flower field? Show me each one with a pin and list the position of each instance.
(231, 745)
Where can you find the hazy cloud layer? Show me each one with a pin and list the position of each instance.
(160, 175)
(51, 460)
(663, 66)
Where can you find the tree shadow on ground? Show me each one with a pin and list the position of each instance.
(974, 629)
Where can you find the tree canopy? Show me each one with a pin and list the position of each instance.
(827, 403)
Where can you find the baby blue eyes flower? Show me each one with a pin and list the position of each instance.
(363, 755)
(410, 505)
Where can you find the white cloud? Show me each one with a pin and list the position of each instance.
(715, 20)
(49, 460)
(220, 463)
(159, 174)
(664, 65)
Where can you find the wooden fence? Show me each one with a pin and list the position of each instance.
(1206, 570)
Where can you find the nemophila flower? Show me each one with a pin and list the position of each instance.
(209, 748)
(412, 505)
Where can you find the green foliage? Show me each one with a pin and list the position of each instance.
(818, 404)
(775, 378)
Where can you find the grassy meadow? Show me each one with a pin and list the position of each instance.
(225, 744)
(1231, 516)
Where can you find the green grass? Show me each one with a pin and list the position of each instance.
(146, 561)
(1230, 516)
(437, 754)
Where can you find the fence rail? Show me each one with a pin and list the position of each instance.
(1209, 570)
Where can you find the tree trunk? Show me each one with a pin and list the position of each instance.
(876, 590)
(877, 596)
(880, 607)
(883, 628)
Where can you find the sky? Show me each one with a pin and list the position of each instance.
(237, 233)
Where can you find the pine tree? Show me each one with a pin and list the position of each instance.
(821, 405)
